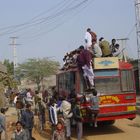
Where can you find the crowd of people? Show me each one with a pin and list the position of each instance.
(66, 111)
(62, 110)
(27, 104)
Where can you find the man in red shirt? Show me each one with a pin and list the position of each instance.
(84, 62)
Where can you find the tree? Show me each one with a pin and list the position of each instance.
(8, 78)
(37, 69)
(10, 66)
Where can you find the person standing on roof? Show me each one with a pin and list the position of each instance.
(93, 36)
(104, 45)
(90, 39)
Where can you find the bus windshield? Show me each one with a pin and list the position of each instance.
(108, 85)
(113, 82)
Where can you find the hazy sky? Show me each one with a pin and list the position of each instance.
(50, 28)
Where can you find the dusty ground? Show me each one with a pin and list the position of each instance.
(121, 130)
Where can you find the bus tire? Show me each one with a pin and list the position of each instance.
(111, 122)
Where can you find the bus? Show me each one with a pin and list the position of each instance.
(114, 81)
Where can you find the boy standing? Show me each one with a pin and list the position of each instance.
(19, 133)
(78, 119)
(95, 106)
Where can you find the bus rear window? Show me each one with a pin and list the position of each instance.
(127, 80)
(66, 81)
(108, 85)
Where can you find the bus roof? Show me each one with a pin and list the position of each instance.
(104, 63)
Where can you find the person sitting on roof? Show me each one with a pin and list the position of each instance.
(112, 46)
(97, 52)
(117, 51)
(104, 45)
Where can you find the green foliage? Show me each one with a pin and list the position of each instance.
(10, 66)
(37, 69)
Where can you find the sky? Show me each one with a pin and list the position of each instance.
(50, 28)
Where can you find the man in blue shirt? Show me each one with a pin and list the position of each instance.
(27, 119)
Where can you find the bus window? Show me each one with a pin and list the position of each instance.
(127, 80)
(106, 81)
(66, 81)
(108, 85)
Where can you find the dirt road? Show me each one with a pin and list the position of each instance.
(121, 130)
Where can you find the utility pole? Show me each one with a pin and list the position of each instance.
(13, 44)
(137, 12)
(123, 45)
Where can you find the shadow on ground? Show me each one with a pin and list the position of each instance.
(100, 130)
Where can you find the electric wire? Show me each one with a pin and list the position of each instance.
(18, 25)
(42, 20)
(30, 23)
(130, 32)
(37, 36)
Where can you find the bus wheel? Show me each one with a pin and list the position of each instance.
(111, 122)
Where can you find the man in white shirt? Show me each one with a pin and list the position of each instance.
(65, 108)
(88, 40)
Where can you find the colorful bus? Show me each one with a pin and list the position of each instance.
(114, 81)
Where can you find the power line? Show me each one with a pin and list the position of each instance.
(43, 20)
(123, 45)
(130, 32)
(58, 24)
(28, 22)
